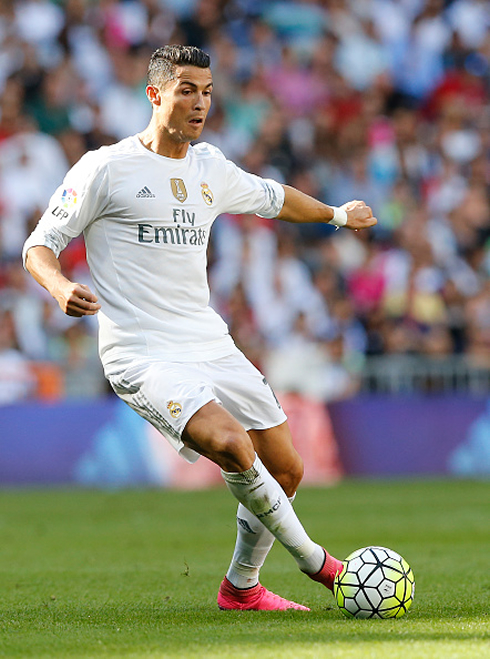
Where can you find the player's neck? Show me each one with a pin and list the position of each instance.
(161, 143)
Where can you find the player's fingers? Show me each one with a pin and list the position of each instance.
(365, 223)
(85, 293)
(78, 313)
(73, 313)
(78, 306)
(84, 305)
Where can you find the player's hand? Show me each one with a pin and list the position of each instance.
(359, 215)
(77, 300)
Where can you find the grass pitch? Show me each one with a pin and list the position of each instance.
(134, 574)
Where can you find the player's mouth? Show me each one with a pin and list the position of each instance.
(196, 121)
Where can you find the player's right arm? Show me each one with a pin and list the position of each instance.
(74, 299)
(80, 200)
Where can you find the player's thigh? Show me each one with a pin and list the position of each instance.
(166, 395)
(245, 393)
(275, 448)
(214, 433)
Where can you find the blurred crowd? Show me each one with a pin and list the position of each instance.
(381, 100)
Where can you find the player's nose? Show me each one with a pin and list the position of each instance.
(199, 104)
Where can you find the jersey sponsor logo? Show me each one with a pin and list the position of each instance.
(207, 194)
(68, 198)
(145, 193)
(180, 215)
(178, 189)
(176, 235)
(174, 408)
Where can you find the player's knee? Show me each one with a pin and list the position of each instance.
(233, 450)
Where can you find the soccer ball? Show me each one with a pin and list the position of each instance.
(375, 583)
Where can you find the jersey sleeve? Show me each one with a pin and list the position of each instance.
(80, 200)
(248, 193)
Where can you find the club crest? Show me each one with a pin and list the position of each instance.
(178, 189)
(174, 408)
(207, 194)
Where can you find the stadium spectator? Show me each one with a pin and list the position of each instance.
(17, 381)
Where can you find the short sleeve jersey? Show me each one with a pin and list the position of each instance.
(146, 221)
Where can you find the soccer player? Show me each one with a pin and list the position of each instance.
(146, 206)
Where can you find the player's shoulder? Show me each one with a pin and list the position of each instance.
(123, 149)
(206, 151)
(98, 159)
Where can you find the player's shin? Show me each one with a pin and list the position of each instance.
(253, 543)
(262, 495)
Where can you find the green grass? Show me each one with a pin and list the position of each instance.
(134, 574)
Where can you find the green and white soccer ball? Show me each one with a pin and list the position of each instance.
(375, 583)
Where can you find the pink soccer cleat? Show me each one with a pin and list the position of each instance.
(329, 571)
(257, 598)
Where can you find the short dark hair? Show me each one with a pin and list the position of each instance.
(165, 60)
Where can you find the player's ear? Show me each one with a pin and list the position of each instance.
(153, 94)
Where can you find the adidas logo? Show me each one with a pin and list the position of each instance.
(145, 193)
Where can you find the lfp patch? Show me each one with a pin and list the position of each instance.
(69, 198)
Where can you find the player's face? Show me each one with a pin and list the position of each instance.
(184, 103)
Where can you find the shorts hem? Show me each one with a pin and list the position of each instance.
(267, 426)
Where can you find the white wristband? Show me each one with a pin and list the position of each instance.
(339, 218)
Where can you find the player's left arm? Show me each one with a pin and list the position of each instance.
(299, 207)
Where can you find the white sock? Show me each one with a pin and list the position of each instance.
(253, 543)
(262, 495)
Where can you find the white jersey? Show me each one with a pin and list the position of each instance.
(146, 221)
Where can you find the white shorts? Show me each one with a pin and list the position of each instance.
(168, 394)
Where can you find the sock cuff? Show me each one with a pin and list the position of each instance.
(244, 477)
